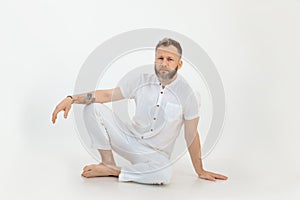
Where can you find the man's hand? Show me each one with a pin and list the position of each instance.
(211, 176)
(64, 105)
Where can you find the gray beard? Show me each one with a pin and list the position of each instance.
(165, 77)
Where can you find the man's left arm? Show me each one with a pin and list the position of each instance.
(194, 147)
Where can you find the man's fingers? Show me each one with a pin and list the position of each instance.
(53, 120)
(221, 177)
(218, 176)
(64, 105)
(67, 111)
(212, 179)
(207, 176)
(54, 115)
(212, 176)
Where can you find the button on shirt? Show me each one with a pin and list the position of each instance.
(159, 112)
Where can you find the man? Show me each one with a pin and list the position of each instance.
(164, 102)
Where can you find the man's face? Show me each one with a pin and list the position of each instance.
(167, 62)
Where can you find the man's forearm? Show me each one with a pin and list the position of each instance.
(98, 96)
(85, 98)
(195, 154)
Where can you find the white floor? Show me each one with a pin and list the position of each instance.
(48, 166)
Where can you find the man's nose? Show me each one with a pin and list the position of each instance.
(165, 62)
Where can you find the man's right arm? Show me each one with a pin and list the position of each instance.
(98, 96)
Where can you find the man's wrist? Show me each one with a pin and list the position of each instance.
(199, 168)
(71, 97)
(200, 171)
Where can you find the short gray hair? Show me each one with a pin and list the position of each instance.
(168, 42)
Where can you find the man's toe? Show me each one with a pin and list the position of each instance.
(87, 174)
(89, 167)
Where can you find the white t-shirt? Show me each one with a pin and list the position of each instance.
(160, 112)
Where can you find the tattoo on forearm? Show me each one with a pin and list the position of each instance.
(88, 98)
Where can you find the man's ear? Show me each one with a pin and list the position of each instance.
(180, 64)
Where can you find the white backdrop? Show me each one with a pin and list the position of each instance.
(255, 46)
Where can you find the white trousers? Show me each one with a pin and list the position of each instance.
(107, 132)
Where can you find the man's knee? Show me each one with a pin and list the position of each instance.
(90, 114)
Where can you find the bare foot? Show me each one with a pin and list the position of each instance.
(98, 170)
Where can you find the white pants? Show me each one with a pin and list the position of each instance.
(108, 133)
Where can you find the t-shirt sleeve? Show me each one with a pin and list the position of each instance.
(191, 109)
(128, 86)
